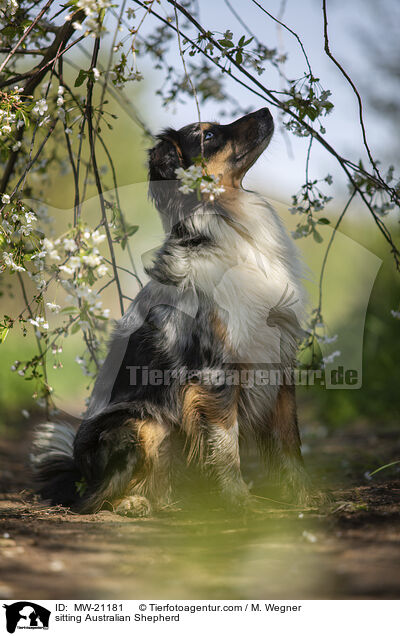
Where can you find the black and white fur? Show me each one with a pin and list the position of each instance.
(215, 300)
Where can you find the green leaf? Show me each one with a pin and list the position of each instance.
(69, 310)
(384, 467)
(75, 328)
(227, 44)
(131, 230)
(324, 221)
(81, 78)
(311, 112)
(3, 334)
(239, 57)
(9, 30)
(311, 355)
(317, 236)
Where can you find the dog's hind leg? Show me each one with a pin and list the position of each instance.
(107, 455)
(151, 486)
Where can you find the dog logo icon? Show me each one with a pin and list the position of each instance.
(26, 615)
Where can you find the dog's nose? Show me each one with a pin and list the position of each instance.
(263, 113)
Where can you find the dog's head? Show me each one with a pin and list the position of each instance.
(229, 150)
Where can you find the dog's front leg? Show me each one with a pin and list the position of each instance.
(223, 461)
(209, 419)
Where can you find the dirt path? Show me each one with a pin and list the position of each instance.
(351, 549)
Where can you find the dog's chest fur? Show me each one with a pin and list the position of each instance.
(253, 274)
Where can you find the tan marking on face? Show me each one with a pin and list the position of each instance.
(219, 165)
(223, 164)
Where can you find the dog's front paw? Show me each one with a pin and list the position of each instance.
(134, 506)
(237, 496)
(304, 493)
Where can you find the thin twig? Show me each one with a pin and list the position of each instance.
(89, 116)
(188, 78)
(269, 96)
(122, 217)
(25, 34)
(285, 26)
(39, 344)
(353, 86)
(330, 242)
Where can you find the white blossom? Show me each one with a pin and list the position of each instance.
(185, 189)
(194, 177)
(12, 6)
(30, 216)
(9, 262)
(330, 358)
(41, 107)
(92, 260)
(96, 237)
(39, 322)
(66, 269)
(47, 244)
(54, 255)
(44, 121)
(70, 245)
(101, 270)
(53, 307)
(327, 339)
(74, 262)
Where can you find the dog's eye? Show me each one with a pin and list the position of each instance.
(208, 135)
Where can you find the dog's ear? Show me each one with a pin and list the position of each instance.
(166, 156)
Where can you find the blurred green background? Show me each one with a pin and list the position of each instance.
(360, 284)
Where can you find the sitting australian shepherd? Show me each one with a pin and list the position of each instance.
(224, 301)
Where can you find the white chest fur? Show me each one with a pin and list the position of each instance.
(254, 273)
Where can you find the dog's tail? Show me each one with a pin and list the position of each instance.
(52, 461)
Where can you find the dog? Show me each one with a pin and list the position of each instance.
(225, 300)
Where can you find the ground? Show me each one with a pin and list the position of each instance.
(347, 549)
